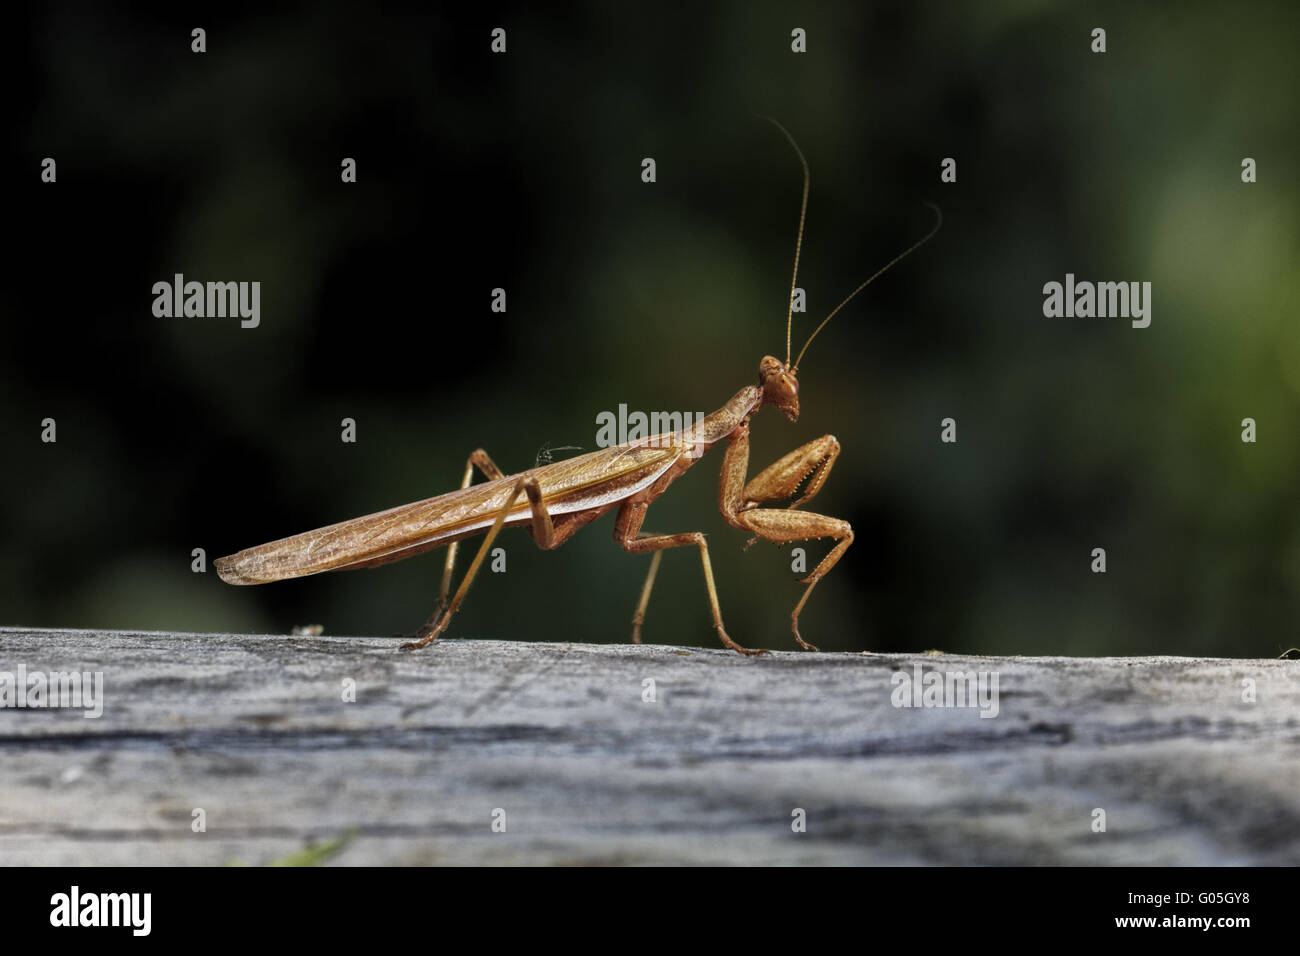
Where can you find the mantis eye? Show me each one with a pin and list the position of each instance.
(768, 369)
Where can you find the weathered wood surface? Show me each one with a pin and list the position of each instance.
(254, 730)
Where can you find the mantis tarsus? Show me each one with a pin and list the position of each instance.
(553, 501)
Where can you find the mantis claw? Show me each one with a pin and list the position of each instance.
(425, 635)
(415, 645)
(794, 626)
(728, 643)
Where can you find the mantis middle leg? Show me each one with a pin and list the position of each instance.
(628, 527)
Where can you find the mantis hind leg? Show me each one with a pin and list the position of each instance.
(543, 530)
(478, 459)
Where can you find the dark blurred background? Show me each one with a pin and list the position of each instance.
(523, 171)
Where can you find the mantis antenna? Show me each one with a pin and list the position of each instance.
(938, 221)
(798, 242)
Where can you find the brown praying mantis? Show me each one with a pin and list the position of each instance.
(553, 501)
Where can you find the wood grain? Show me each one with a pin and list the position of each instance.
(254, 730)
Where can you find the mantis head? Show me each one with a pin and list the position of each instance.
(780, 387)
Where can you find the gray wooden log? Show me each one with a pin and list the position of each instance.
(254, 730)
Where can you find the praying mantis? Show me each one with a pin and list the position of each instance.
(553, 501)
